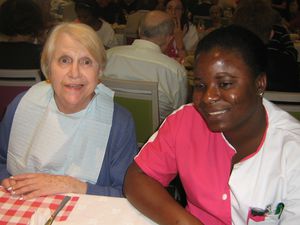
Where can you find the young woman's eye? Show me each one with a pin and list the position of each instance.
(199, 85)
(225, 85)
(65, 60)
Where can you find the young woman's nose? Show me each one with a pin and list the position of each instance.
(211, 95)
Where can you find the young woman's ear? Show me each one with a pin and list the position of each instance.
(261, 83)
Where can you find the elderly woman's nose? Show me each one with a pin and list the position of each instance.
(75, 70)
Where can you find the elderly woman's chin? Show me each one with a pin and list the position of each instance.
(72, 103)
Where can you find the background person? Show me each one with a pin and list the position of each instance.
(144, 60)
(21, 21)
(67, 135)
(185, 33)
(234, 151)
(111, 12)
(259, 17)
(134, 19)
(88, 13)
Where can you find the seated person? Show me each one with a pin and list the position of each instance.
(201, 8)
(185, 33)
(88, 13)
(21, 21)
(66, 135)
(144, 60)
(215, 14)
(281, 40)
(111, 12)
(214, 21)
(236, 153)
(134, 19)
(259, 17)
(128, 6)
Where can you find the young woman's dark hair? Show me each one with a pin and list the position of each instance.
(244, 42)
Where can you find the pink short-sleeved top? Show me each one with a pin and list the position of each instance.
(185, 145)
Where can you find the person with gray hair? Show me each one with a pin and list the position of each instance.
(134, 19)
(66, 134)
(156, 32)
(144, 60)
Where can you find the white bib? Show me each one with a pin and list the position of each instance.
(45, 140)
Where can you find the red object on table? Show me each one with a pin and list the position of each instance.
(18, 212)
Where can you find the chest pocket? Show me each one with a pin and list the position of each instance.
(269, 220)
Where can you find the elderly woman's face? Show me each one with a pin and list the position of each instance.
(174, 8)
(225, 91)
(73, 75)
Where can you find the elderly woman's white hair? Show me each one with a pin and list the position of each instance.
(82, 33)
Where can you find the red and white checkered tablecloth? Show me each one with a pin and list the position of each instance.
(18, 212)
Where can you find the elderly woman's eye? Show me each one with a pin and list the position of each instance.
(86, 61)
(65, 60)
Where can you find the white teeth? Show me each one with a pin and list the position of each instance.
(217, 113)
(74, 85)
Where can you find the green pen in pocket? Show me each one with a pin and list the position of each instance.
(279, 209)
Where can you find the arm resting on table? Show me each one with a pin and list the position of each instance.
(152, 199)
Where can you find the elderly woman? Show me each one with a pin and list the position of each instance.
(236, 153)
(66, 134)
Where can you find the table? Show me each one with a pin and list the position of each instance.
(82, 209)
(102, 210)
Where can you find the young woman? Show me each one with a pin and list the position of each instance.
(236, 153)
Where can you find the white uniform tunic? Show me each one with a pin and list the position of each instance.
(270, 176)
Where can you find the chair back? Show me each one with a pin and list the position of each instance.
(13, 82)
(288, 101)
(141, 99)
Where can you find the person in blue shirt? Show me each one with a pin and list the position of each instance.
(66, 134)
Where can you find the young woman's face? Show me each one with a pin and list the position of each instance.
(225, 91)
(73, 75)
(174, 8)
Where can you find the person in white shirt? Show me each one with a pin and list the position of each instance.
(144, 60)
(236, 153)
(88, 12)
(134, 19)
